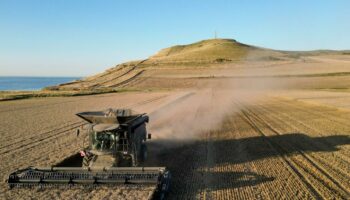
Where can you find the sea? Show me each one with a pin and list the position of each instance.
(17, 83)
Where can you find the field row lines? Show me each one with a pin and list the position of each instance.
(304, 173)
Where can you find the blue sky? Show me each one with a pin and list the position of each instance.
(83, 37)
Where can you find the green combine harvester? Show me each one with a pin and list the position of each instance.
(117, 146)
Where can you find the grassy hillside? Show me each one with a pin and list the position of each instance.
(213, 49)
(200, 54)
(198, 57)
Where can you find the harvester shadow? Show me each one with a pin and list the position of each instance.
(191, 164)
(74, 160)
(189, 161)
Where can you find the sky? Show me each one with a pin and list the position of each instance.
(84, 37)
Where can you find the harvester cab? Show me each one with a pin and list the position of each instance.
(117, 145)
(116, 138)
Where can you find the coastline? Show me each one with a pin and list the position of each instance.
(22, 87)
(33, 83)
(17, 95)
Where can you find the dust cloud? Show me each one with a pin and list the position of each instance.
(207, 105)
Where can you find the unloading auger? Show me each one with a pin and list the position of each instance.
(117, 145)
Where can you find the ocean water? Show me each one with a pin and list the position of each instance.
(31, 83)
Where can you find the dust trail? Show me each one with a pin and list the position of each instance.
(204, 110)
(207, 107)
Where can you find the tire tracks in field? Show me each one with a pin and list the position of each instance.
(339, 157)
(256, 192)
(314, 130)
(322, 161)
(295, 171)
(209, 154)
(306, 156)
(297, 165)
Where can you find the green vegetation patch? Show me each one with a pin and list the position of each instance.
(15, 95)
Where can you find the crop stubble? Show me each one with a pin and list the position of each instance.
(271, 149)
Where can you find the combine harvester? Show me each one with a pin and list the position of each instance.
(117, 145)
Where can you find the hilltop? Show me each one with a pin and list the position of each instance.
(211, 51)
(208, 50)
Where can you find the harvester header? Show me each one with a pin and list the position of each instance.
(117, 146)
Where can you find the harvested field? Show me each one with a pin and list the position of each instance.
(41, 132)
(272, 148)
(339, 98)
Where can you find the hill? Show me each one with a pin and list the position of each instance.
(202, 54)
(214, 49)
(193, 61)
(206, 62)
